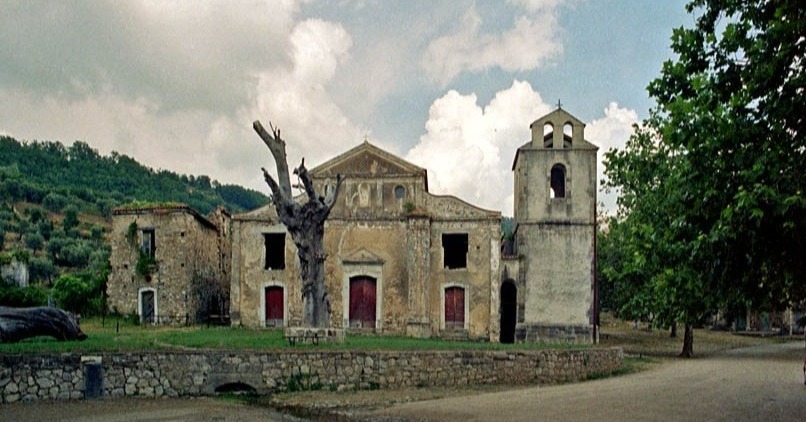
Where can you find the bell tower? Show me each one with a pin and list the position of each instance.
(555, 214)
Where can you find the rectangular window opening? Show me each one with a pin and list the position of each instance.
(275, 251)
(148, 245)
(454, 247)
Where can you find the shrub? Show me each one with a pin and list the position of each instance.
(72, 293)
(41, 268)
(54, 202)
(70, 218)
(34, 241)
(22, 297)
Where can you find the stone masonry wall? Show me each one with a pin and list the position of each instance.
(174, 374)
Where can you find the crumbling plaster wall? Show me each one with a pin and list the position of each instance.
(184, 249)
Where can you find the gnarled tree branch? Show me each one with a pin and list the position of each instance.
(277, 147)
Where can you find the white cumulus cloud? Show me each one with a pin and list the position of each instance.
(610, 131)
(532, 40)
(468, 148)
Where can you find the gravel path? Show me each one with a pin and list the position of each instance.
(761, 383)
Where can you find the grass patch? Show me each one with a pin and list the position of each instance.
(646, 342)
(122, 335)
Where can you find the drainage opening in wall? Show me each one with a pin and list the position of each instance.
(236, 388)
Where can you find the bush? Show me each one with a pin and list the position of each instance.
(72, 293)
(34, 241)
(22, 297)
(70, 218)
(41, 269)
(54, 202)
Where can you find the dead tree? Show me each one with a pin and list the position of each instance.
(306, 224)
(20, 323)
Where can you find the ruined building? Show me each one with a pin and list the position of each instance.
(399, 260)
(170, 265)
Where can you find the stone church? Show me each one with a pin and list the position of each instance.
(400, 260)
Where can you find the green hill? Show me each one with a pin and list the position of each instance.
(55, 205)
(33, 170)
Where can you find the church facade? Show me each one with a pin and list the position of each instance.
(400, 260)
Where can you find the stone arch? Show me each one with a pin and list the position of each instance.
(548, 134)
(568, 134)
(237, 387)
(509, 311)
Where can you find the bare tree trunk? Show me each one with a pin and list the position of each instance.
(305, 223)
(20, 323)
(688, 342)
(673, 331)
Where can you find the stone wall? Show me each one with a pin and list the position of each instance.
(188, 262)
(174, 374)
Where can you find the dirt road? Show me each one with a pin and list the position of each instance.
(762, 383)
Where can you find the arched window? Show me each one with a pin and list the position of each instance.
(568, 135)
(558, 181)
(400, 192)
(548, 135)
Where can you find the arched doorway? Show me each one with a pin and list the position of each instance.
(274, 312)
(509, 311)
(454, 308)
(362, 302)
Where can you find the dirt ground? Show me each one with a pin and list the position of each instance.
(762, 382)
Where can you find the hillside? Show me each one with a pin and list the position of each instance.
(55, 205)
(32, 171)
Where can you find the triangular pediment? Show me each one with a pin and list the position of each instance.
(367, 160)
(362, 256)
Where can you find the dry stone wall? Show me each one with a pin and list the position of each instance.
(174, 374)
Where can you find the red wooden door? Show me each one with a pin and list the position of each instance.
(454, 308)
(274, 306)
(362, 302)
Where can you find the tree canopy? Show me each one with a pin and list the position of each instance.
(712, 212)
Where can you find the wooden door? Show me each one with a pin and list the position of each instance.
(362, 302)
(147, 306)
(274, 306)
(454, 308)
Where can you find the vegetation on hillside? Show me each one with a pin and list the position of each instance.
(55, 204)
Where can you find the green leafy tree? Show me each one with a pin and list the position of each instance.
(72, 293)
(34, 240)
(70, 218)
(728, 151)
(41, 269)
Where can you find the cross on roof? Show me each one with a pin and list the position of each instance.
(559, 104)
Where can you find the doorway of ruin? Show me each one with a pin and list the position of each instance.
(509, 309)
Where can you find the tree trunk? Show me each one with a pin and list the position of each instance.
(305, 223)
(20, 323)
(673, 331)
(688, 342)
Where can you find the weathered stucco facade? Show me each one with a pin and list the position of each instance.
(386, 243)
(398, 259)
(168, 264)
(555, 214)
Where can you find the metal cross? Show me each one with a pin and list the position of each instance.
(559, 104)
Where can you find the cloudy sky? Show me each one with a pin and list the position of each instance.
(450, 85)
